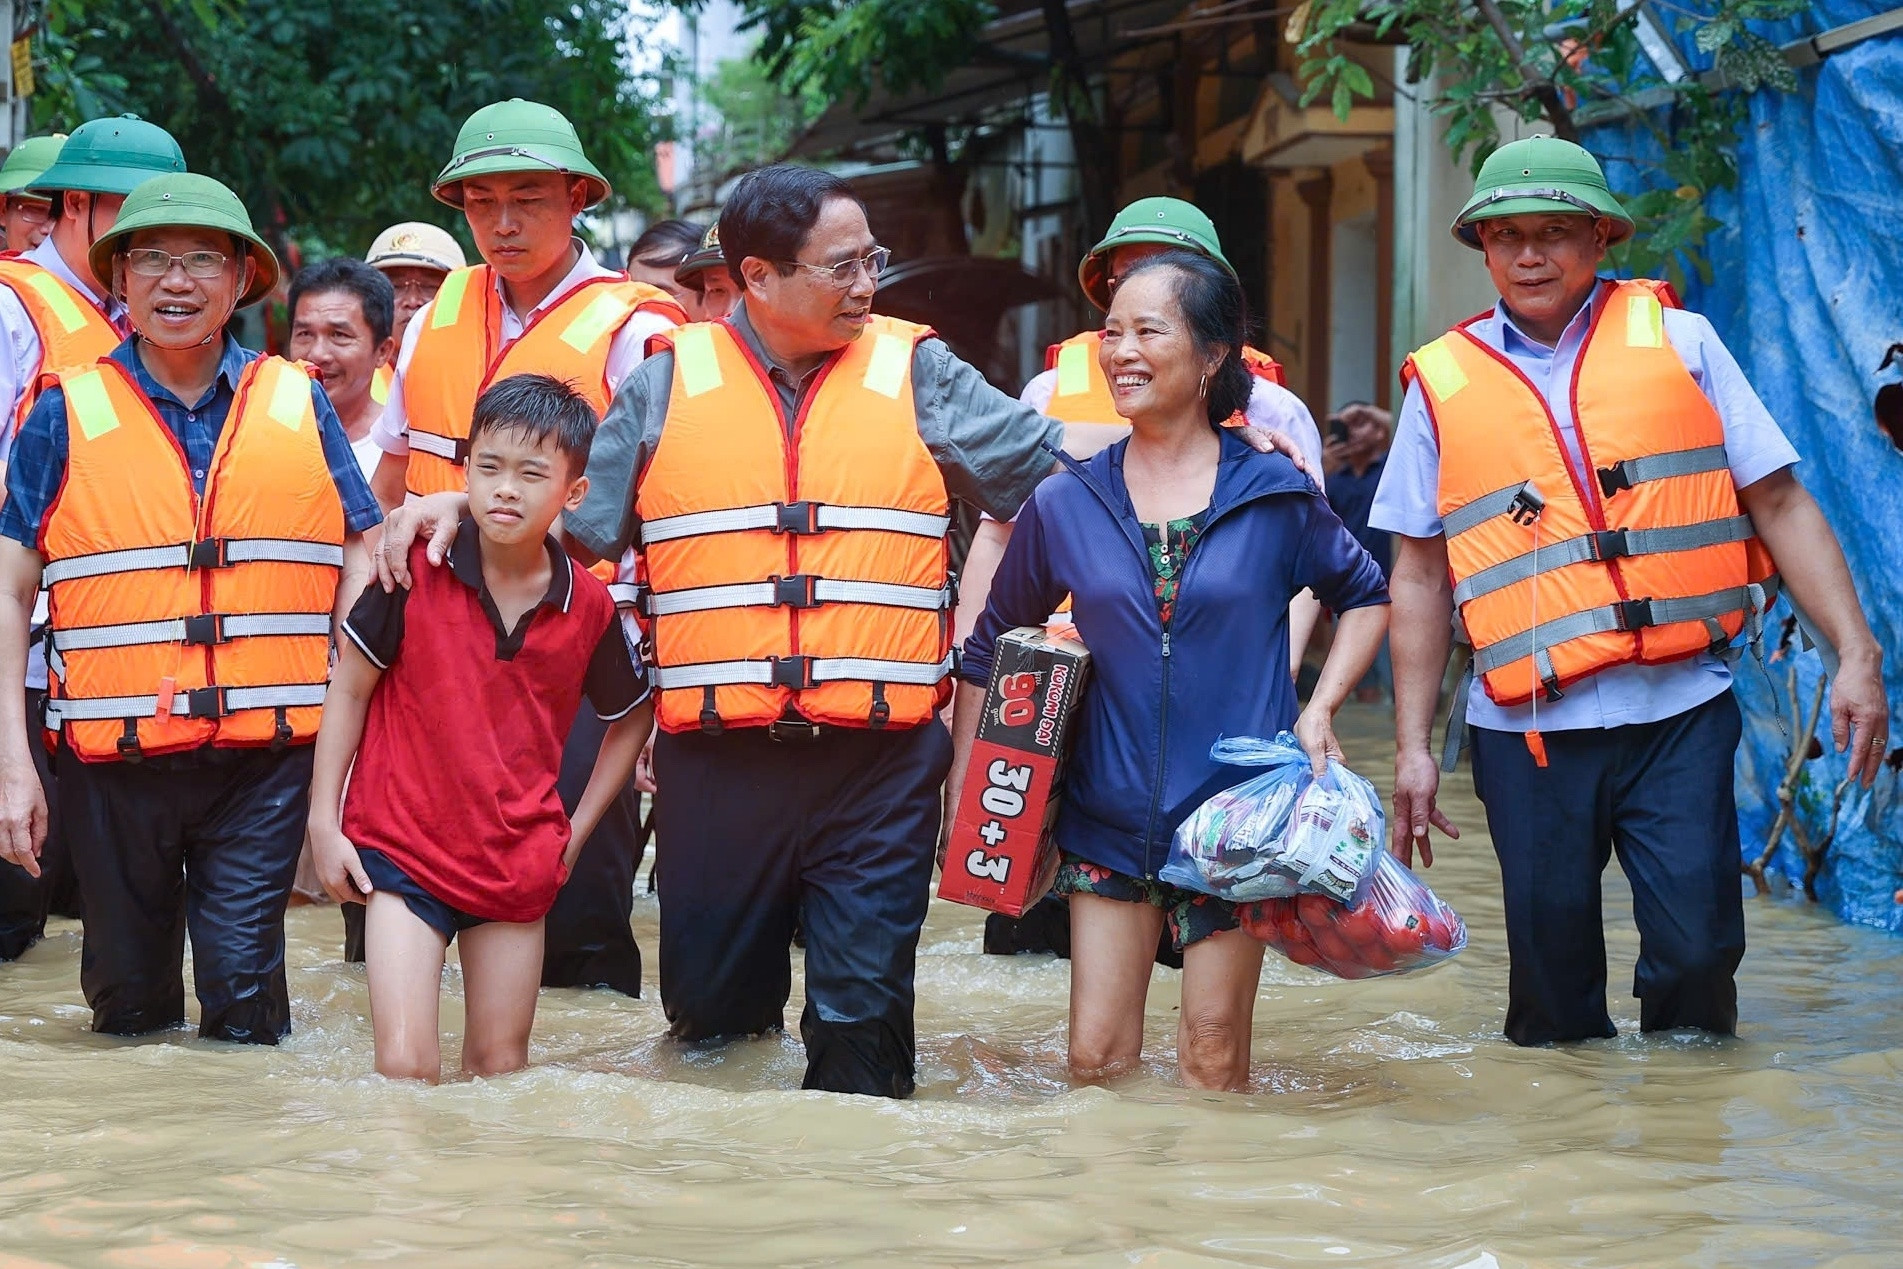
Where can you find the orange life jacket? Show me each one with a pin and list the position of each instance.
(457, 356)
(1650, 561)
(380, 383)
(1083, 395)
(72, 330)
(179, 620)
(807, 576)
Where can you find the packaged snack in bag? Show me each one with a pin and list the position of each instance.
(1281, 833)
(1400, 925)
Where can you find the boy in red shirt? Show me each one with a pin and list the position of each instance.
(453, 699)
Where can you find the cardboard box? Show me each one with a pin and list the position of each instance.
(1002, 856)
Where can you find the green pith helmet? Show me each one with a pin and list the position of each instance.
(186, 201)
(1540, 174)
(517, 136)
(1169, 221)
(28, 159)
(702, 258)
(110, 156)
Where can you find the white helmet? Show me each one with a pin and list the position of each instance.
(414, 244)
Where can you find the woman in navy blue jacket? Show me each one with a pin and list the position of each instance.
(1180, 548)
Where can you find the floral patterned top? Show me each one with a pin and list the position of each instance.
(1170, 545)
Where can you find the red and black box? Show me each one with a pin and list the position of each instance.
(1001, 855)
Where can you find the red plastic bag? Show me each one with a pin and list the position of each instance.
(1401, 925)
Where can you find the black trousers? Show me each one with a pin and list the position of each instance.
(25, 900)
(587, 940)
(836, 834)
(204, 842)
(1659, 795)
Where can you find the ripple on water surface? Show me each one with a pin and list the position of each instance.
(1387, 1124)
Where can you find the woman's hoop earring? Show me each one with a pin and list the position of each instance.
(1202, 386)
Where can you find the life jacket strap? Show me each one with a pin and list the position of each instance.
(798, 673)
(203, 702)
(802, 590)
(207, 628)
(1680, 462)
(1611, 544)
(793, 517)
(1630, 615)
(208, 553)
(625, 594)
(452, 449)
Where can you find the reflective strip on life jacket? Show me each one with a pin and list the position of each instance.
(798, 517)
(800, 673)
(797, 567)
(798, 592)
(457, 356)
(178, 620)
(1646, 557)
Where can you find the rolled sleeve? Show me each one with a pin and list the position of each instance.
(375, 624)
(1023, 593)
(1335, 566)
(391, 431)
(35, 470)
(1408, 499)
(361, 512)
(992, 450)
(605, 523)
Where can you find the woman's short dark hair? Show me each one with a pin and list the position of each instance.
(771, 211)
(1218, 317)
(351, 276)
(665, 243)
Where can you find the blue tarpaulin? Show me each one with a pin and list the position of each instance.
(1807, 291)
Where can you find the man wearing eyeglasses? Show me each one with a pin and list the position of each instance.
(788, 473)
(25, 218)
(198, 518)
(538, 302)
(54, 313)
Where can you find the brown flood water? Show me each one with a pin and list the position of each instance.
(1388, 1125)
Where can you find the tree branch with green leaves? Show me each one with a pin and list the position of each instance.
(1580, 66)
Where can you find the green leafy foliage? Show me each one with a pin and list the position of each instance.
(753, 119)
(1575, 64)
(332, 119)
(842, 49)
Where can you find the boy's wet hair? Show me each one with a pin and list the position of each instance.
(538, 408)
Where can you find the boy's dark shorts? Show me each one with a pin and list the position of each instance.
(439, 916)
(1192, 916)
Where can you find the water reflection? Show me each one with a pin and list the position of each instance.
(1387, 1124)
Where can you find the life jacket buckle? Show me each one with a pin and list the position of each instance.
(795, 673)
(797, 591)
(1614, 479)
(1609, 545)
(209, 553)
(800, 518)
(1527, 505)
(201, 702)
(205, 628)
(1634, 614)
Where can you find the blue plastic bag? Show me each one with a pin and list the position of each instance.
(1282, 832)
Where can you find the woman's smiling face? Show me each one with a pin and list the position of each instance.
(1147, 354)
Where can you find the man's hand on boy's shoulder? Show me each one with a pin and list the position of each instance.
(434, 518)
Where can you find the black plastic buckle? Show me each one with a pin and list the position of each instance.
(462, 451)
(796, 591)
(791, 672)
(282, 735)
(794, 730)
(1550, 688)
(203, 702)
(1526, 505)
(1635, 614)
(1613, 479)
(796, 517)
(709, 715)
(209, 553)
(206, 628)
(1609, 545)
(130, 750)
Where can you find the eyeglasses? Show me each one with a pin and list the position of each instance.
(150, 262)
(417, 290)
(31, 210)
(842, 274)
